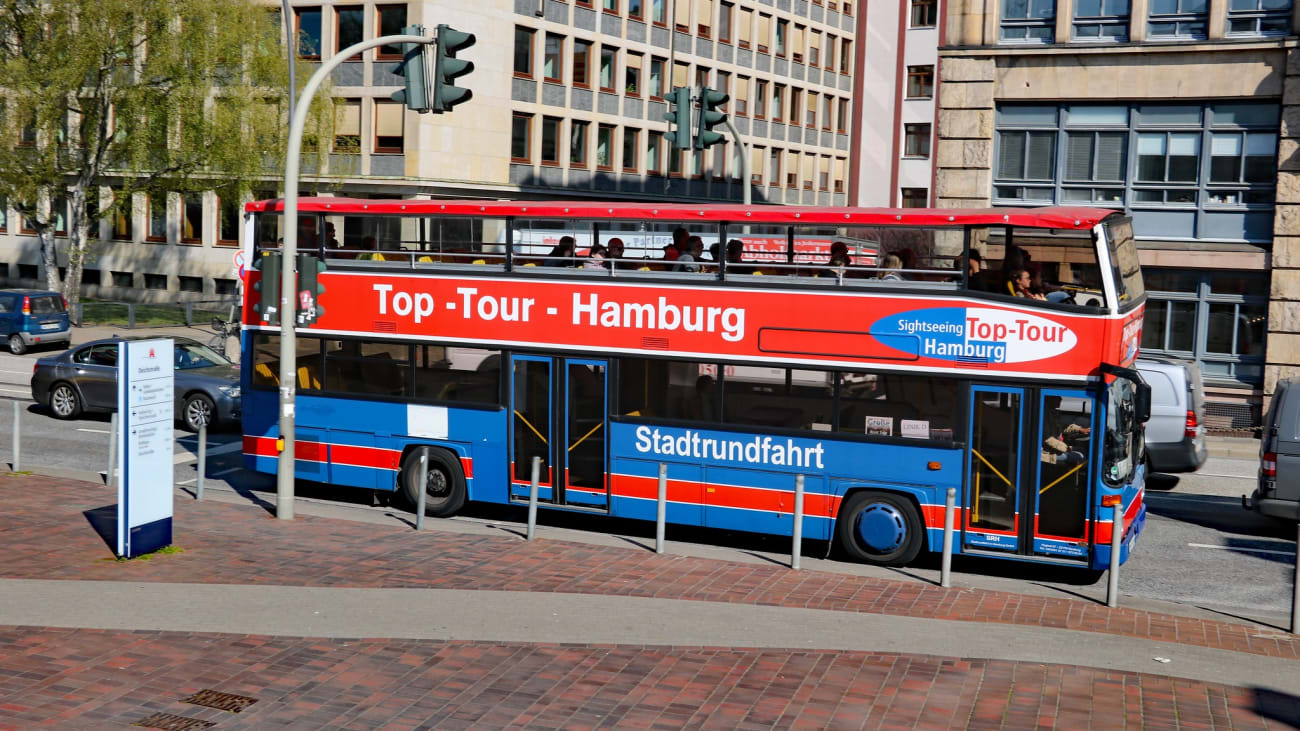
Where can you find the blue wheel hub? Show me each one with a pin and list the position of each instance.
(881, 528)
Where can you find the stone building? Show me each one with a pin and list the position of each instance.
(1181, 112)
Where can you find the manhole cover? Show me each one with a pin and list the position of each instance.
(172, 722)
(221, 701)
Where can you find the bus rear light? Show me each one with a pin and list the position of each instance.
(1190, 430)
(1268, 466)
(27, 305)
(1110, 501)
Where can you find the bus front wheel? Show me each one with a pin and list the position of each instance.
(444, 491)
(880, 528)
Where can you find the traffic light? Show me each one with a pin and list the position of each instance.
(268, 286)
(416, 94)
(710, 116)
(679, 116)
(447, 68)
(309, 289)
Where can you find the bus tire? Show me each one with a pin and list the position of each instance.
(445, 492)
(880, 528)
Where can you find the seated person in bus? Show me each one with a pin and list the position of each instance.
(595, 258)
(889, 267)
(1038, 285)
(1059, 435)
(1013, 261)
(839, 263)
(703, 405)
(908, 258)
(1022, 284)
(678, 246)
(562, 254)
(689, 260)
(735, 258)
(715, 252)
(976, 277)
(613, 253)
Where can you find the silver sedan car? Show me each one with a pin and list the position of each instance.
(84, 378)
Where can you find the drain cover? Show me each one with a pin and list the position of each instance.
(220, 701)
(172, 722)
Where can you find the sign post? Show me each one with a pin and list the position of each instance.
(144, 443)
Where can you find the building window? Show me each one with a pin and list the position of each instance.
(815, 49)
(1101, 20)
(157, 219)
(634, 11)
(797, 43)
(760, 98)
(774, 167)
(347, 126)
(59, 209)
(757, 156)
(764, 32)
(604, 147)
(915, 197)
(350, 21)
(778, 102)
(704, 17)
(608, 68)
(923, 13)
(1259, 17)
(916, 140)
(824, 173)
(550, 140)
(654, 156)
(123, 215)
(840, 165)
(659, 12)
(782, 33)
(723, 85)
(701, 76)
(632, 74)
(810, 112)
(309, 35)
(829, 61)
(846, 56)
(1178, 19)
(189, 284)
(582, 63)
(391, 21)
(578, 143)
(228, 218)
(1028, 21)
(725, 13)
(390, 119)
(828, 102)
(842, 119)
(521, 132)
(657, 78)
(744, 27)
(682, 17)
(1183, 171)
(553, 58)
(524, 52)
(631, 138)
(155, 281)
(1217, 317)
(920, 82)
(609, 6)
(192, 219)
(742, 97)
(4, 214)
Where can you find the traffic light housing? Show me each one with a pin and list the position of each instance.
(710, 116)
(268, 286)
(447, 68)
(310, 289)
(416, 94)
(679, 116)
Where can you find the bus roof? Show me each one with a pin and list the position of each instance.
(1056, 217)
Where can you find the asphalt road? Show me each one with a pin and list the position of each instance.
(1200, 546)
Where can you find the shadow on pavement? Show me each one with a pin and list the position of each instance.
(1275, 706)
(1161, 481)
(1220, 513)
(104, 521)
(1244, 618)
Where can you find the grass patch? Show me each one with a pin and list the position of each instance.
(165, 550)
(99, 312)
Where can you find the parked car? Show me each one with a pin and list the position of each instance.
(33, 317)
(1175, 435)
(1278, 490)
(84, 378)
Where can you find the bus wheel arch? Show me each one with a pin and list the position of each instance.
(445, 490)
(880, 527)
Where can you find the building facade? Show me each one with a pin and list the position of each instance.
(1181, 112)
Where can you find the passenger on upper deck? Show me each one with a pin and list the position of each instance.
(614, 253)
(1022, 282)
(690, 259)
(678, 246)
(839, 262)
(976, 277)
(562, 254)
(595, 258)
(889, 268)
(735, 258)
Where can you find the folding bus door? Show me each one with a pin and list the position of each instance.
(1065, 463)
(585, 397)
(530, 426)
(993, 469)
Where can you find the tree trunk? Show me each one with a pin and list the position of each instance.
(49, 255)
(79, 233)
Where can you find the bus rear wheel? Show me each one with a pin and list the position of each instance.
(444, 492)
(879, 528)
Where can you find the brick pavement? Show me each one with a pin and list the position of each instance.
(78, 678)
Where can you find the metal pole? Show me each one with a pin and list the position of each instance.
(289, 254)
(744, 160)
(112, 446)
(798, 521)
(421, 484)
(1295, 586)
(290, 35)
(532, 497)
(949, 508)
(661, 514)
(1116, 538)
(18, 461)
(203, 462)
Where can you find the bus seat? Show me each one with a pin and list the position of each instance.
(644, 269)
(426, 259)
(757, 272)
(483, 262)
(529, 264)
(377, 257)
(264, 373)
(307, 378)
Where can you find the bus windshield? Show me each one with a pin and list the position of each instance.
(1124, 260)
(1121, 433)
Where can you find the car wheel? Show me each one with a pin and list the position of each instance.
(444, 492)
(198, 411)
(16, 344)
(64, 401)
(880, 528)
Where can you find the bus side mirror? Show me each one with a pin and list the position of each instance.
(1142, 403)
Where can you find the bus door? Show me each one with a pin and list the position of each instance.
(558, 413)
(1028, 471)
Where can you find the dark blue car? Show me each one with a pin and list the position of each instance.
(33, 317)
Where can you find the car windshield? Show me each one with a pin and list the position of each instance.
(194, 355)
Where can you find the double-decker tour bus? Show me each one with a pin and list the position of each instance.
(884, 355)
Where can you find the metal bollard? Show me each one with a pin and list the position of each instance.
(130, 316)
(1295, 586)
(949, 508)
(661, 514)
(203, 462)
(421, 486)
(18, 459)
(189, 314)
(532, 497)
(798, 522)
(112, 447)
(1116, 539)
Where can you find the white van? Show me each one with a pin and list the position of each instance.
(1175, 435)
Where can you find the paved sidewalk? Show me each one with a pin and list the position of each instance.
(343, 624)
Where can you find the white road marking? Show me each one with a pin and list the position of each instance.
(1245, 550)
(1220, 474)
(26, 391)
(226, 472)
(27, 372)
(186, 482)
(96, 431)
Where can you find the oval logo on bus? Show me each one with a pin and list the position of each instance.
(974, 335)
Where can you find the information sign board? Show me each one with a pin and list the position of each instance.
(144, 441)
